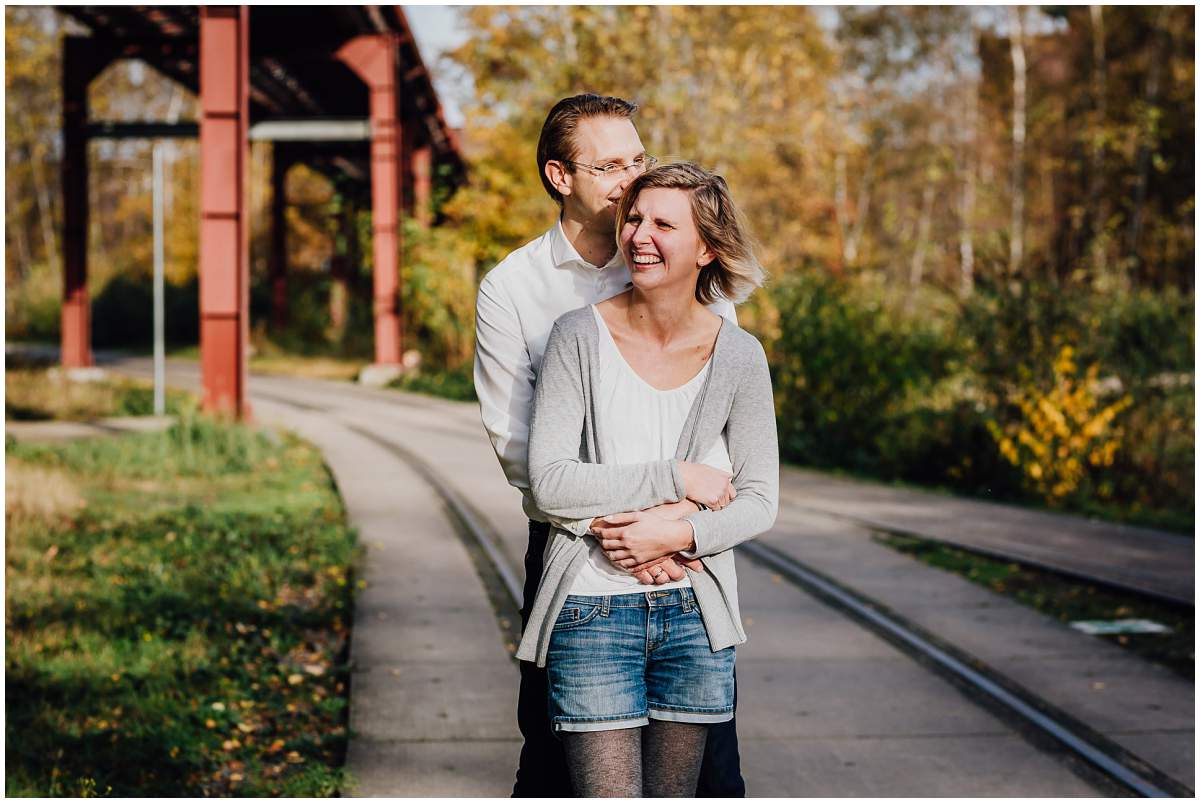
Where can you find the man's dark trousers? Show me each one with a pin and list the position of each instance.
(543, 768)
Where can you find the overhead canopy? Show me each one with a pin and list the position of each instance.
(293, 72)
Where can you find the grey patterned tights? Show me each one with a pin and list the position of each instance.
(661, 759)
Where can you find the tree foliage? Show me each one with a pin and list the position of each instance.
(944, 197)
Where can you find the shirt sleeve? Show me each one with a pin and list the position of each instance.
(504, 380)
(504, 383)
(724, 307)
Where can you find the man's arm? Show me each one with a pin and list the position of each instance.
(504, 383)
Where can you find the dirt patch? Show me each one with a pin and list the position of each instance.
(37, 493)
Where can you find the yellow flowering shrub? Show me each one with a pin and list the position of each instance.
(1061, 432)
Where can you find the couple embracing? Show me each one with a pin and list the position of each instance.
(637, 419)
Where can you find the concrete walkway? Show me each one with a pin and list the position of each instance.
(433, 692)
(1150, 561)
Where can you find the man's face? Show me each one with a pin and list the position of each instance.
(600, 141)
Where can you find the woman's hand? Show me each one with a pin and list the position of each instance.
(632, 539)
(658, 572)
(709, 486)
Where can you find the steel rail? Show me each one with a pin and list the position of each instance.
(981, 678)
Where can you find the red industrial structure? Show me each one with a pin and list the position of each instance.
(340, 88)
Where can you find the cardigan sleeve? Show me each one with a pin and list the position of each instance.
(754, 453)
(563, 485)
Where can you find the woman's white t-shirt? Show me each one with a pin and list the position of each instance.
(638, 423)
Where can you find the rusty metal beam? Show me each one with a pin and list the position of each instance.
(82, 62)
(224, 245)
(373, 59)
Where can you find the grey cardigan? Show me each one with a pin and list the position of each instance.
(569, 480)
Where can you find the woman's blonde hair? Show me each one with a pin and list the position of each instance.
(735, 271)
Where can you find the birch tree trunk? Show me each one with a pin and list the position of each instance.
(1096, 195)
(1158, 56)
(861, 207)
(839, 202)
(1016, 247)
(916, 270)
(966, 240)
(16, 227)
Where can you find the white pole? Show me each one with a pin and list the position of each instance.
(159, 350)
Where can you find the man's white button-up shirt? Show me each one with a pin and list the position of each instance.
(519, 301)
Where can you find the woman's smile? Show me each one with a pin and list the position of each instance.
(644, 261)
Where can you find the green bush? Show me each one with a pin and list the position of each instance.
(844, 365)
(861, 386)
(458, 384)
(1144, 334)
(1153, 475)
(122, 308)
(33, 304)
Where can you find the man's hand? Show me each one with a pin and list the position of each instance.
(658, 572)
(671, 570)
(633, 539)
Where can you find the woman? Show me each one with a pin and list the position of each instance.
(651, 389)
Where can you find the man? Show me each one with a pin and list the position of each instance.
(588, 152)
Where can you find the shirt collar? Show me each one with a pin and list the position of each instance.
(564, 254)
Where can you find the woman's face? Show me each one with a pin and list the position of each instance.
(660, 242)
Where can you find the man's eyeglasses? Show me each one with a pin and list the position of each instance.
(613, 169)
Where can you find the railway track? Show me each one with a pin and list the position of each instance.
(1090, 754)
(1004, 697)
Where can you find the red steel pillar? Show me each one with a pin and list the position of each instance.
(373, 59)
(81, 63)
(422, 176)
(280, 162)
(224, 245)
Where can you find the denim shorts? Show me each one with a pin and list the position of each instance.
(620, 661)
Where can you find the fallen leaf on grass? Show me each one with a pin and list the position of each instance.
(295, 758)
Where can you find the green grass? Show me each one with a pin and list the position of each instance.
(1069, 600)
(457, 385)
(178, 608)
(39, 393)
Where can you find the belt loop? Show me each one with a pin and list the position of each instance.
(688, 599)
(605, 605)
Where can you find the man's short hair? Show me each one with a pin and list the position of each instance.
(557, 141)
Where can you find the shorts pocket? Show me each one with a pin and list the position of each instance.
(573, 615)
